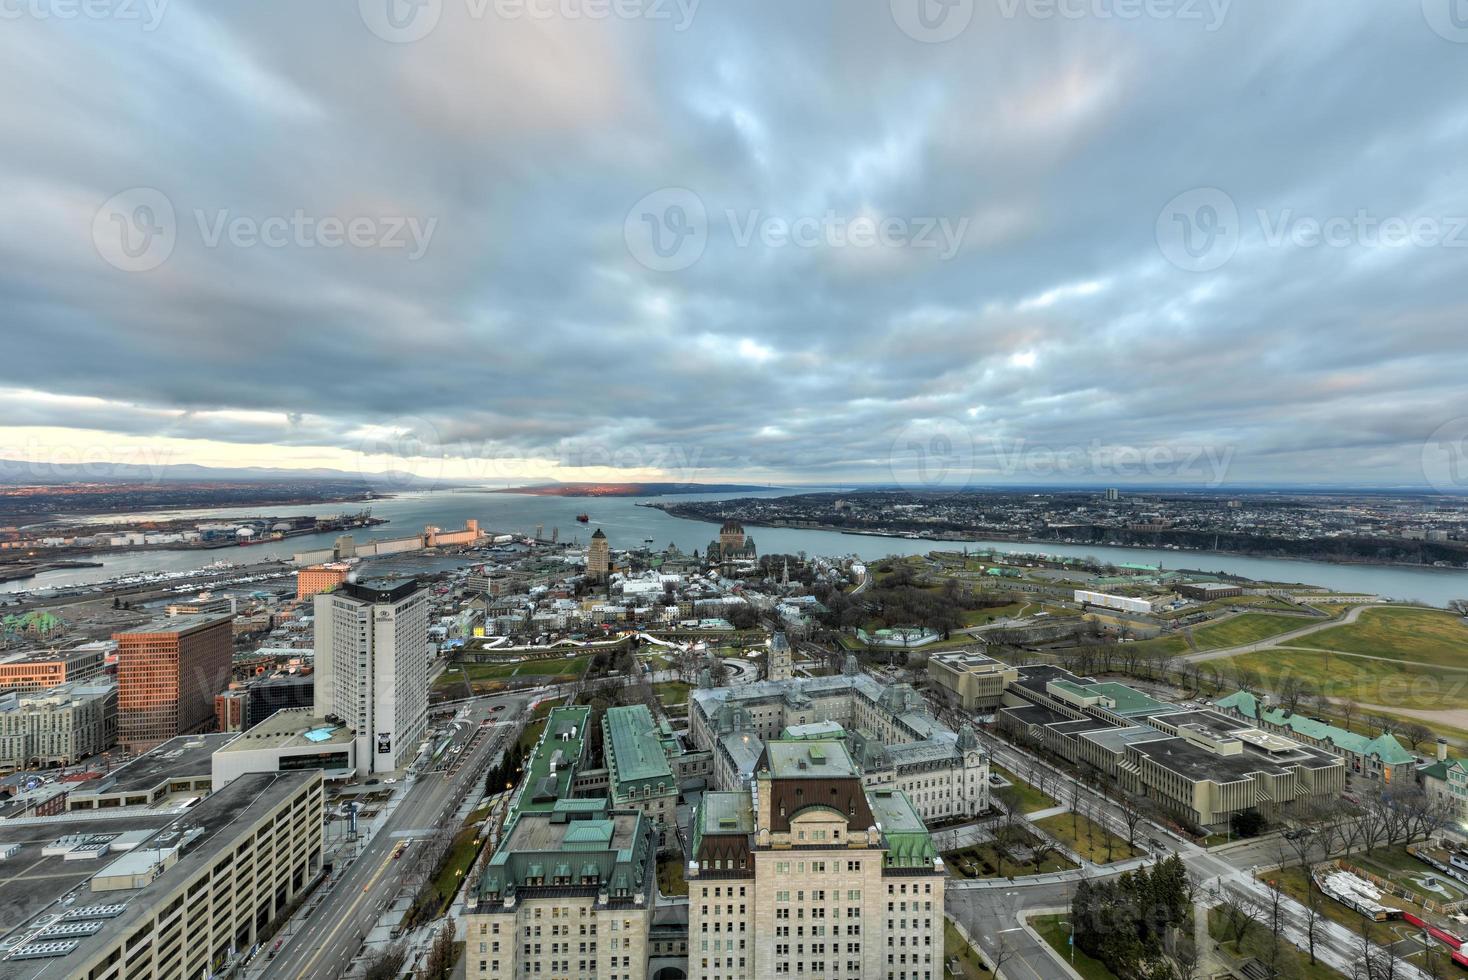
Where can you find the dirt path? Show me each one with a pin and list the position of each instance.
(1452, 717)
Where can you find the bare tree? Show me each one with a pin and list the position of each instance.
(1132, 810)
(386, 963)
(1415, 734)
(1348, 711)
(1240, 911)
(1292, 691)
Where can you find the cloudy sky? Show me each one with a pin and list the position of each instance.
(1093, 241)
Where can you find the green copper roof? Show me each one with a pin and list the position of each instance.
(1384, 747)
(634, 750)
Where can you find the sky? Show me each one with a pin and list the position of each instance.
(936, 242)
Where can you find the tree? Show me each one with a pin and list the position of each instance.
(1416, 733)
(1292, 691)
(1458, 607)
(1348, 711)
(1247, 823)
(386, 963)
(1132, 809)
(1240, 911)
(441, 957)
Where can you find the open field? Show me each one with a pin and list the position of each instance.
(671, 692)
(1087, 838)
(1419, 636)
(1170, 646)
(1291, 962)
(1030, 798)
(1248, 628)
(1055, 930)
(1360, 679)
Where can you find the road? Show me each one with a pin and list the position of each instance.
(991, 911)
(1284, 639)
(324, 944)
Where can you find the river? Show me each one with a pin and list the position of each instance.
(628, 525)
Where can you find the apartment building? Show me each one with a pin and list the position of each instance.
(188, 898)
(810, 874)
(568, 894)
(57, 727)
(167, 675)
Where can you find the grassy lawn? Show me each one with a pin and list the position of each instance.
(1424, 636)
(1256, 942)
(670, 876)
(1366, 681)
(983, 861)
(1055, 930)
(1169, 646)
(970, 966)
(1087, 838)
(1248, 628)
(671, 692)
(465, 850)
(1031, 800)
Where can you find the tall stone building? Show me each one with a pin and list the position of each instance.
(778, 663)
(732, 543)
(810, 874)
(598, 557)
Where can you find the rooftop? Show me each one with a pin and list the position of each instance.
(176, 624)
(290, 728)
(813, 759)
(634, 751)
(184, 756)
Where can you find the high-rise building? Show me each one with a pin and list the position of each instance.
(778, 664)
(1113, 494)
(598, 556)
(812, 874)
(372, 667)
(167, 676)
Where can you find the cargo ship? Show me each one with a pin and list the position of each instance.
(584, 518)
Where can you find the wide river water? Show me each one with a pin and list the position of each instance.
(628, 525)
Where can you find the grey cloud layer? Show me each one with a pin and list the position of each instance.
(529, 327)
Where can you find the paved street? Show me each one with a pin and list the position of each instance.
(324, 944)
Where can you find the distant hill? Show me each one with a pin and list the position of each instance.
(15, 472)
(629, 489)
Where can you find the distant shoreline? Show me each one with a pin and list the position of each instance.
(629, 489)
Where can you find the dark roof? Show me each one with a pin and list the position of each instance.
(379, 589)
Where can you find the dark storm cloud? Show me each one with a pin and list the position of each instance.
(495, 295)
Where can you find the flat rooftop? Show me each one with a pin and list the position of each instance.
(30, 882)
(894, 811)
(633, 742)
(177, 624)
(966, 660)
(809, 759)
(290, 728)
(186, 756)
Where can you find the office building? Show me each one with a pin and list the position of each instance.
(40, 669)
(598, 557)
(165, 894)
(1382, 757)
(812, 874)
(179, 769)
(372, 668)
(267, 695)
(167, 676)
(1113, 494)
(639, 774)
(893, 739)
(1122, 603)
(229, 711)
(568, 893)
(977, 682)
(57, 727)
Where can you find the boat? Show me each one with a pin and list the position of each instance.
(584, 518)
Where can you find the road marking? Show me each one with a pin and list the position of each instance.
(345, 917)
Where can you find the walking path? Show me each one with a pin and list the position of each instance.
(1283, 639)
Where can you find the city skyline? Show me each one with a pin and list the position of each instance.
(552, 245)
